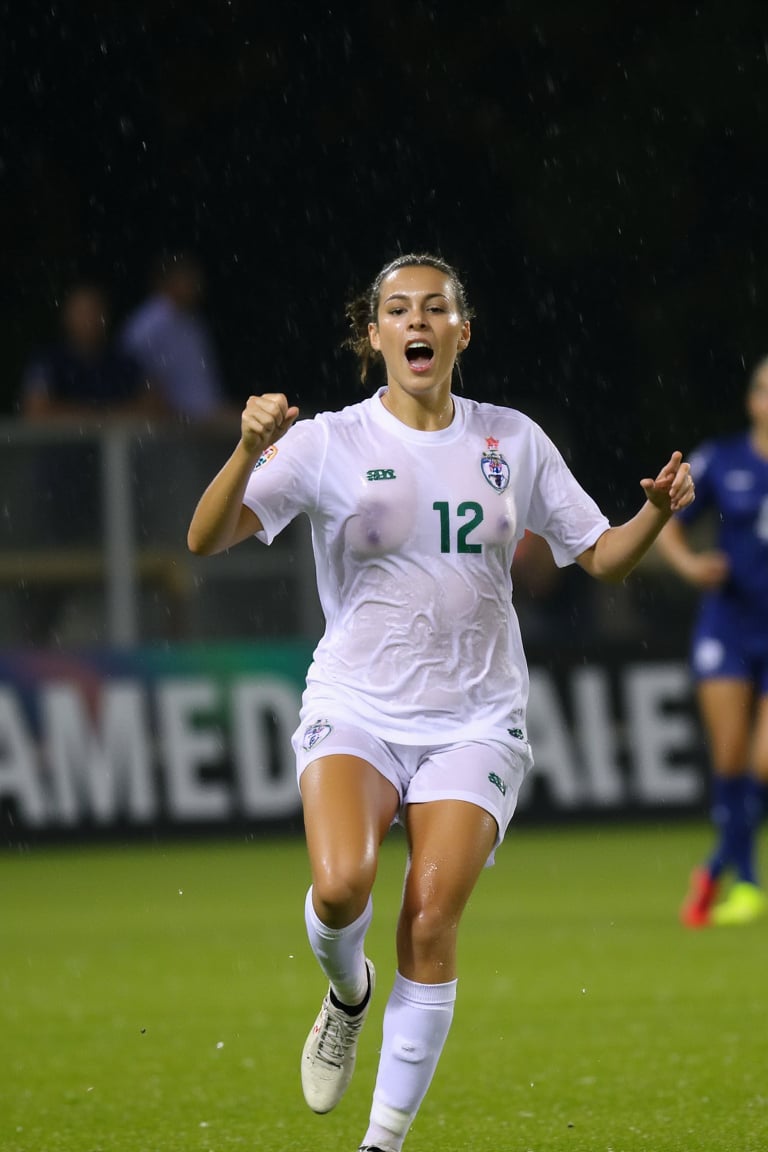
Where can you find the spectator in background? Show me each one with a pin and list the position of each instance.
(83, 375)
(729, 653)
(83, 378)
(170, 339)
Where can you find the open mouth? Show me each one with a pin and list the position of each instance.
(419, 355)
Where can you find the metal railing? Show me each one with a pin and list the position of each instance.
(93, 522)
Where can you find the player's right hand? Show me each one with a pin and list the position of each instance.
(265, 419)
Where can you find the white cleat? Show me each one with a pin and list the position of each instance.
(328, 1059)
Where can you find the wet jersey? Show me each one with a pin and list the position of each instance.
(732, 481)
(413, 535)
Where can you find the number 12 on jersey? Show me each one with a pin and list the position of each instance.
(471, 513)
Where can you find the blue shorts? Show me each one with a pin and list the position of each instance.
(726, 646)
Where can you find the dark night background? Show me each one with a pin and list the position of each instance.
(597, 171)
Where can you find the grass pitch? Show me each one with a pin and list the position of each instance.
(157, 998)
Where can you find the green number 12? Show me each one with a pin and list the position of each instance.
(468, 508)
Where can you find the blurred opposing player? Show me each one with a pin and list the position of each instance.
(415, 704)
(729, 653)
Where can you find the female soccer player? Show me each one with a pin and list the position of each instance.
(729, 653)
(415, 702)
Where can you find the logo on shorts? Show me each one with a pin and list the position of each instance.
(497, 780)
(267, 455)
(516, 733)
(494, 466)
(314, 733)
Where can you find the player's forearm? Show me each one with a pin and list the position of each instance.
(217, 517)
(622, 547)
(672, 544)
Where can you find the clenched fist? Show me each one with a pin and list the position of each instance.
(265, 419)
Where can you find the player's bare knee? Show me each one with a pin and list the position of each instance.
(339, 897)
(760, 769)
(729, 766)
(429, 930)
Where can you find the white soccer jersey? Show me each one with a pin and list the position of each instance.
(414, 534)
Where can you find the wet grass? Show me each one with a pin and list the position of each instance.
(157, 998)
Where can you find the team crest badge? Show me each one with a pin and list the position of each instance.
(494, 466)
(314, 733)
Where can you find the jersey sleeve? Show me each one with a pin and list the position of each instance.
(285, 478)
(700, 461)
(561, 510)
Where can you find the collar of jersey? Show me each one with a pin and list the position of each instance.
(385, 419)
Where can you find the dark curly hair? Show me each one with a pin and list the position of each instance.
(363, 309)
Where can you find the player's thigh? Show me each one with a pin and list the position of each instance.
(449, 845)
(449, 842)
(348, 809)
(725, 705)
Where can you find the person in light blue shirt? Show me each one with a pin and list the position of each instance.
(729, 653)
(169, 337)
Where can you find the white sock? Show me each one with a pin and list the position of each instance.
(417, 1020)
(340, 952)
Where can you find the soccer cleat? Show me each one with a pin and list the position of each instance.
(744, 903)
(328, 1059)
(697, 906)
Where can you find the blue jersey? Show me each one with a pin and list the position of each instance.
(732, 481)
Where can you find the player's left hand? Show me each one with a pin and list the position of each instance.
(673, 488)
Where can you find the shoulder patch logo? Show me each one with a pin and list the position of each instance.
(494, 466)
(267, 455)
(314, 733)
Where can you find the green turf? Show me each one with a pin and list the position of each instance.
(157, 998)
